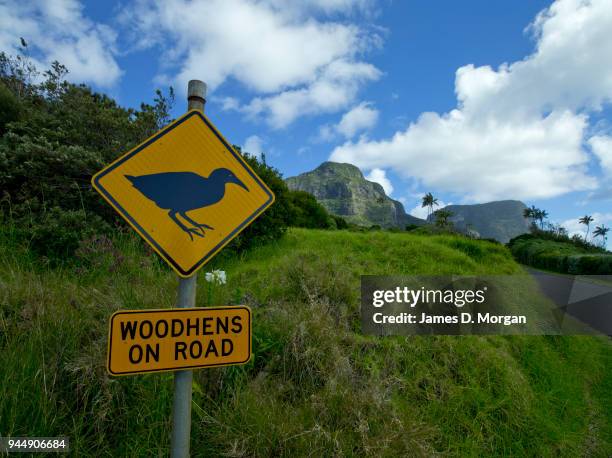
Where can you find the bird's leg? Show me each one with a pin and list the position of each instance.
(178, 222)
(195, 223)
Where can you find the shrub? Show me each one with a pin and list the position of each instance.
(561, 256)
(10, 108)
(54, 136)
(272, 224)
(37, 174)
(589, 264)
(305, 211)
(575, 239)
(340, 222)
(57, 234)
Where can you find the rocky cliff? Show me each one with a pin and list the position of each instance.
(343, 190)
(500, 220)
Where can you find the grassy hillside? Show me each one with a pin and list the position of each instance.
(315, 385)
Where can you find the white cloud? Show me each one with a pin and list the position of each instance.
(517, 131)
(419, 212)
(299, 63)
(228, 103)
(482, 160)
(58, 30)
(380, 176)
(361, 117)
(327, 133)
(334, 89)
(253, 145)
(250, 41)
(602, 147)
(325, 6)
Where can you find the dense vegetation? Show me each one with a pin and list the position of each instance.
(307, 212)
(560, 253)
(55, 135)
(315, 385)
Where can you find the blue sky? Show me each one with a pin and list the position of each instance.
(473, 101)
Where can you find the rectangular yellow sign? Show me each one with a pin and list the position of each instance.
(141, 341)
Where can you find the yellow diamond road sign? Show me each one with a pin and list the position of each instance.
(186, 191)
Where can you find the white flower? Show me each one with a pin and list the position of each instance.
(216, 276)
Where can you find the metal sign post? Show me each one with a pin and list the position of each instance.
(183, 380)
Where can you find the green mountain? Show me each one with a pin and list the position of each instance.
(343, 190)
(500, 220)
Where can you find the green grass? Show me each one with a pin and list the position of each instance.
(315, 386)
(561, 256)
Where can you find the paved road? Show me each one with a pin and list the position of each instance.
(586, 298)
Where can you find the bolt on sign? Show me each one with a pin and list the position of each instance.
(186, 191)
(141, 341)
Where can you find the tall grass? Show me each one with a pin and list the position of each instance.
(315, 386)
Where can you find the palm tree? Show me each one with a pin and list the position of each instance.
(601, 231)
(542, 215)
(533, 214)
(537, 215)
(429, 201)
(586, 220)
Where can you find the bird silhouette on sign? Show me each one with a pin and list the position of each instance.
(180, 192)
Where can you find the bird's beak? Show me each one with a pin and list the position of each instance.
(240, 183)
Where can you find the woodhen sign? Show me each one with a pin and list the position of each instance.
(186, 191)
(170, 339)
